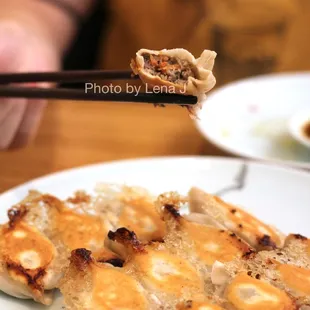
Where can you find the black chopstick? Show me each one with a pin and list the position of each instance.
(81, 95)
(66, 76)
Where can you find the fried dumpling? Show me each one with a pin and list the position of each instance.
(168, 277)
(72, 223)
(200, 238)
(37, 241)
(256, 233)
(78, 225)
(130, 207)
(31, 265)
(86, 219)
(89, 285)
(288, 269)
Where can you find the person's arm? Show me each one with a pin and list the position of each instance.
(47, 18)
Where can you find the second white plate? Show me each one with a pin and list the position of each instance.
(250, 118)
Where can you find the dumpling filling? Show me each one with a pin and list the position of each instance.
(171, 69)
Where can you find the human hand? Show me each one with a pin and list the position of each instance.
(22, 50)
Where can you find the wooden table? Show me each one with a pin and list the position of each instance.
(79, 133)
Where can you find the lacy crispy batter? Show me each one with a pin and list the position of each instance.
(88, 247)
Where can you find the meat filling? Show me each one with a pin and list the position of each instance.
(168, 68)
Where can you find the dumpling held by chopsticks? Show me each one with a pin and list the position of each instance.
(177, 71)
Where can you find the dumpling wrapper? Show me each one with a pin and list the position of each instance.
(198, 86)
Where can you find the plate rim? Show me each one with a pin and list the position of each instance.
(225, 159)
(231, 150)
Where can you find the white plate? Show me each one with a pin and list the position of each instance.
(250, 118)
(280, 196)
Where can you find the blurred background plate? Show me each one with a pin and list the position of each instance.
(250, 118)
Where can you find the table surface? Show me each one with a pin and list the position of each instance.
(79, 133)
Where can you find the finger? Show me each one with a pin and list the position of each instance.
(31, 120)
(35, 108)
(22, 52)
(12, 113)
(29, 124)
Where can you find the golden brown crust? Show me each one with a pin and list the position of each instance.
(245, 292)
(81, 258)
(207, 242)
(127, 238)
(78, 230)
(33, 277)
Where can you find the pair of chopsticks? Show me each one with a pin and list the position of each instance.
(9, 91)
